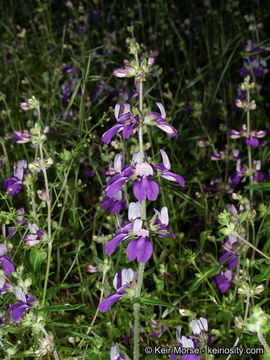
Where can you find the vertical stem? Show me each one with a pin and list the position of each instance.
(141, 265)
(48, 201)
(249, 150)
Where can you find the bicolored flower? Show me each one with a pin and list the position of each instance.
(13, 185)
(158, 119)
(118, 238)
(228, 257)
(6, 263)
(24, 302)
(165, 170)
(128, 71)
(140, 248)
(36, 235)
(21, 137)
(126, 123)
(163, 220)
(235, 178)
(122, 175)
(115, 204)
(3, 285)
(199, 329)
(19, 222)
(122, 281)
(115, 353)
(144, 187)
(223, 281)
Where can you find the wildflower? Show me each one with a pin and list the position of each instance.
(7, 265)
(223, 281)
(121, 281)
(128, 71)
(24, 302)
(115, 353)
(163, 220)
(140, 248)
(92, 269)
(123, 174)
(228, 256)
(115, 204)
(165, 170)
(145, 188)
(13, 185)
(118, 238)
(126, 123)
(158, 119)
(3, 286)
(21, 137)
(36, 235)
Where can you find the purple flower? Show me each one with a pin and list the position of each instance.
(21, 137)
(158, 119)
(115, 204)
(145, 188)
(118, 238)
(115, 353)
(3, 286)
(7, 265)
(252, 141)
(126, 123)
(35, 236)
(165, 170)
(228, 257)
(13, 185)
(122, 176)
(235, 178)
(223, 281)
(139, 248)
(24, 302)
(128, 71)
(121, 281)
(163, 220)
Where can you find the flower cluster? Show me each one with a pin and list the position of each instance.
(199, 340)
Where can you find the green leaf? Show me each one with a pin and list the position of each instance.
(62, 307)
(260, 187)
(263, 276)
(153, 302)
(36, 258)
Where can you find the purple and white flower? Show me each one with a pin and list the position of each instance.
(121, 281)
(223, 281)
(165, 170)
(126, 123)
(24, 302)
(115, 353)
(6, 263)
(158, 119)
(21, 137)
(140, 248)
(13, 185)
(36, 235)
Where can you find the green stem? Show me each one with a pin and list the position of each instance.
(49, 224)
(249, 150)
(136, 306)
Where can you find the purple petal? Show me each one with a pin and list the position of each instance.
(141, 249)
(112, 244)
(152, 189)
(17, 310)
(113, 189)
(107, 303)
(107, 136)
(169, 129)
(138, 190)
(7, 265)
